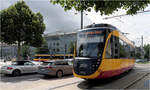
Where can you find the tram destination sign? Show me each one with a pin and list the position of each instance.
(92, 36)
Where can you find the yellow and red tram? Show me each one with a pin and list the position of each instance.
(102, 52)
(47, 57)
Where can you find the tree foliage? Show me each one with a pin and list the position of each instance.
(105, 7)
(43, 49)
(147, 51)
(20, 25)
(25, 50)
(71, 48)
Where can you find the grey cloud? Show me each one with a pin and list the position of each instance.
(55, 17)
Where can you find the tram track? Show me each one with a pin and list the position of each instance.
(135, 81)
(125, 87)
(64, 85)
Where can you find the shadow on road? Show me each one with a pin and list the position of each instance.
(90, 84)
(28, 77)
(55, 78)
(24, 77)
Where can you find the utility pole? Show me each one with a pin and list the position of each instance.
(81, 19)
(64, 47)
(1, 50)
(142, 41)
(49, 48)
(142, 47)
(149, 53)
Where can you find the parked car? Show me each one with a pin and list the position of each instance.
(55, 68)
(19, 67)
(141, 60)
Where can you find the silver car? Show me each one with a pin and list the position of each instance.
(19, 67)
(55, 68)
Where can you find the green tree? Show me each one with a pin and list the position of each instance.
(71, 48)
(147, 51)
(25, 50)
(138, 55)
(43, 49)
(105, 7)
(20, 25)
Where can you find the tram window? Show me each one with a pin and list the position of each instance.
(108, 50)
(112, 50)
(132, 52)
(124, 49)
(116, 47)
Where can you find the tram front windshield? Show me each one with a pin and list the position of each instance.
(90, 43)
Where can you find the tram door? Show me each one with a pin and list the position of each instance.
(115, 46)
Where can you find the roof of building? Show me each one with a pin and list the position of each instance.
(101, 25)
(58, 33)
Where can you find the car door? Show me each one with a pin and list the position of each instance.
(58, 66)
(69, 68)
(20, 65)
(34, 67)
(28, 67)
(65, 67)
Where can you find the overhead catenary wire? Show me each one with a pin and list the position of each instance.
(125, 15)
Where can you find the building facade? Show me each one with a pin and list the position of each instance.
(8, 50)
(61, 43)
(11, 51)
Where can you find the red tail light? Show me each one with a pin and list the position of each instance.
(49, 67)
(9, 68)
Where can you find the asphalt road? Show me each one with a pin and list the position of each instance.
(138, 78)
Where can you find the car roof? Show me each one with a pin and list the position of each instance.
(57, 61)
(21, 61)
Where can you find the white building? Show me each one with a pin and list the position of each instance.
(60, 42)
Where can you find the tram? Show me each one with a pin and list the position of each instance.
(102, 52)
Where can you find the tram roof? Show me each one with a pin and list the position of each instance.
(101, 25)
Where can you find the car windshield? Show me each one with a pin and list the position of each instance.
(47, 63)
(18, 63)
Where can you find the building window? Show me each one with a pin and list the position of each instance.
(57, 50)
(57, 44)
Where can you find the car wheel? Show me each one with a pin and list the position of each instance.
(46, 76)
(16, 73)
(59, 74)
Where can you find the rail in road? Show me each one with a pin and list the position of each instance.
(124, 81)
(136, 80)
(125, 87)
(128, 80)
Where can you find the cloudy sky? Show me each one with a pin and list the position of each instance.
(57, 19)
(136, 25)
